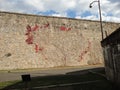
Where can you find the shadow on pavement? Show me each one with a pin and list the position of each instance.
(97, 70)
(90, 79)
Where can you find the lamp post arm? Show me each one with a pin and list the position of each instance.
(92, 2)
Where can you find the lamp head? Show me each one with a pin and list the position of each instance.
(90, 6)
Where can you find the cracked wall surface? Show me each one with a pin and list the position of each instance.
(31, 41)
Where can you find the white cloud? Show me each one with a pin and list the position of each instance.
(78, 17)
(92, 17)
(111, 19)
(104, 18)
(37, 4)
(110, 8)
(59, 15)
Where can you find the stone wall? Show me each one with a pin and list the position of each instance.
(30, 41)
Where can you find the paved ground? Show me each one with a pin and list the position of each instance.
(16, 74)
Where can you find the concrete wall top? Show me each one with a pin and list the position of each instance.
(55, 17)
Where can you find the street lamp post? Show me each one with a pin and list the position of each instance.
(99, 15)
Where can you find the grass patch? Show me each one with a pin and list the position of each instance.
(7, 83)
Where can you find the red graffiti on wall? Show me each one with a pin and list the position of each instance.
(30, 35)
(68, 29)
(29, 39)
(37, 48)
(84, 52)
(28, 30)
(63, 28)
(36, 27)
(46, 25)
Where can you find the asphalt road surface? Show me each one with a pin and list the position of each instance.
(16, 74)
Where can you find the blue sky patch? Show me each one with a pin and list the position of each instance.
(71, 13)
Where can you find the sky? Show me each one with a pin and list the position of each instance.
(78, 9)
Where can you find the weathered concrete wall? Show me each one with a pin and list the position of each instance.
(29, 41)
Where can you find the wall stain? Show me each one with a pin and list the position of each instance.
(84, 52)
(63, 27)
(30, 35)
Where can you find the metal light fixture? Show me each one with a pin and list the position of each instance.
(99, 15)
